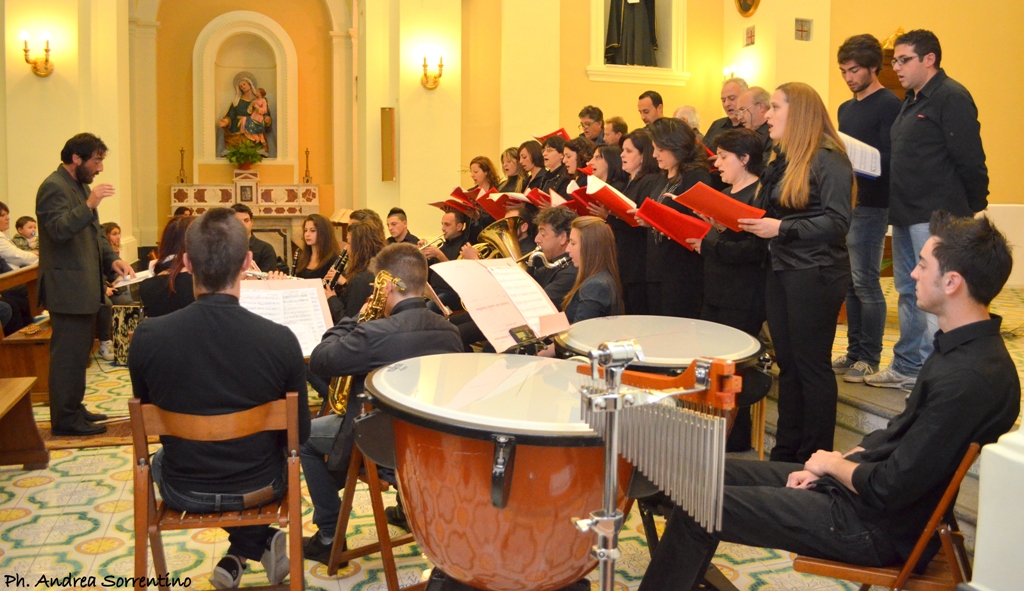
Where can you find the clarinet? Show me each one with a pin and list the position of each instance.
(339, 264)
(295, 260)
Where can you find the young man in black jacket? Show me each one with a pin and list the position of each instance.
(408, 329)
(189, 362)
(869, 506)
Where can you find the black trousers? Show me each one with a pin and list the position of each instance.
(678, 296)
(21, 312)
(760, 511)
(634, 298)
(70, 347)
(802, 308)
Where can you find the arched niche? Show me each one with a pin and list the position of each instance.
(220, 52)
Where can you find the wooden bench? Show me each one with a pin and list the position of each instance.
(28, 355)
(27, 276)
(20, 442)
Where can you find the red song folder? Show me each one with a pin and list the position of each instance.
(452, 204)
(468, 197)
(561, 133)
(574, 204)
(613, 200)
(716, 205)
(677, 226)
(493, 203)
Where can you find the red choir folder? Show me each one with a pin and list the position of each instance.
(580, 194)
(561, 133)
(575, 205)
(711, 156)
(586, 170)
(603, 193)
(493, 203)
(468, 197)
(677, 226)
(452, 204)
(716, 205)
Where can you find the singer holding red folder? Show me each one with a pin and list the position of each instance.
(808, 192)
(675, 274)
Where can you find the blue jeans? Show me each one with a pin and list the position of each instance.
(917, 327)
(248, 541)
(323, 491)
(865, 303)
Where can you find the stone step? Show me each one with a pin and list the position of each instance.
(863, 409)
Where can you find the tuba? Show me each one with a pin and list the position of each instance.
(500, 240)
(341, 386)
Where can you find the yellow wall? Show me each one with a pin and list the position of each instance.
(307, 22)
(982, 46)
(481, 84)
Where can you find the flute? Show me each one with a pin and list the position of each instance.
(265, 276)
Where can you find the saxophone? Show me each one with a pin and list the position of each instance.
(341, 386)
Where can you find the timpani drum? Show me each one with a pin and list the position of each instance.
(493, 462)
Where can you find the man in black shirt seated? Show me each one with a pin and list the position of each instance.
(453, 229)
(398, 227)
(189, 362)
(407, 330)
(553, 227)
(263, 254)
(869, 506)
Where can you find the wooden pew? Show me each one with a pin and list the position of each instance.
(27, 276)
(20, 442)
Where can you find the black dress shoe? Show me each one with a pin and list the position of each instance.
(79, 429)
(92, 417)
(317, 551)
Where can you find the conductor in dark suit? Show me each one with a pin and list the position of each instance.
(74, 255)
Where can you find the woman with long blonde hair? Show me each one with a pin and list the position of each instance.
(597, 291)
(516, 177)
(807, 191)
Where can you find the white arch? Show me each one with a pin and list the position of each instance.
(205, 111)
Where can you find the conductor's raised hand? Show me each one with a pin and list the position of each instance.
(99, 193)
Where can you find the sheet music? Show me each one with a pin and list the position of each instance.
(140, 276)
(526, 294)
(866, 159)
(299, 305)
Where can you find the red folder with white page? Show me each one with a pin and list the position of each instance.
(676, 225)
(613, 200)
(718, 206)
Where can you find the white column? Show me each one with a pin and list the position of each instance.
(142, 41)
(344, 144)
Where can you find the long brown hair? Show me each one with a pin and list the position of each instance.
(487, 166)
(808, 128)
(172, 242)
(364, 242)
(597, 253)
(327, 247)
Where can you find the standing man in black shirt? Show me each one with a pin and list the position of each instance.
(937, 163)
(398, 227)
(753, 108)
(868, 117)
(869, 506)
(263, 254)
(731, 91)
(209, 374)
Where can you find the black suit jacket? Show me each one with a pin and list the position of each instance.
(263, 254)
(74, 253)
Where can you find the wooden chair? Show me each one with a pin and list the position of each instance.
(385, 544)
(151, 517)
(949, 568)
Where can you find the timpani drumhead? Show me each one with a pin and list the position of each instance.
(476, 395)
(668, 342)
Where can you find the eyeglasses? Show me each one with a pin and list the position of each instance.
(586, 124)
(901, 61)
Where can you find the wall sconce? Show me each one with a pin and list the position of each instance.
(729, 72)
(41, 66)
(429, 81)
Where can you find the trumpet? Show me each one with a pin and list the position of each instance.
(438, 242)
(537, 253)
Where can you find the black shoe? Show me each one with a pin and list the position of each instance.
(81, 428)
(396, 517)
(94, 416)
(317, 551)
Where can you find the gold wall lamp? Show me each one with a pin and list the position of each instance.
(430, 81)
(41, 66)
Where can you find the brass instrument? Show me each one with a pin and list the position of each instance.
(438, 242)
(500, 240)
(338, 267)
(537, 253)
(341, 386)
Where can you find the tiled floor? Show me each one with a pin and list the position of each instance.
(76, 516)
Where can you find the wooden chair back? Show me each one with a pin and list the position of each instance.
(954, 567)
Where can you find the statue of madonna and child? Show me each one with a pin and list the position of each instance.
(248, 115)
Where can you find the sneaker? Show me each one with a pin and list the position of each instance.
(858, 372)
(228, 573)
(275, 557)
(842, 364)
(107, 350)
(315, 549)
(890, 378)
(396, 517)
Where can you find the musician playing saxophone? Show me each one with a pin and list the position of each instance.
(407, 329)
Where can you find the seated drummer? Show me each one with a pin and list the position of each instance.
(453, 229)
(869, 506)
(407, 330)
(221, 377)
(553, 225)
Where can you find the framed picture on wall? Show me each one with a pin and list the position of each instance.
(245, 194)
